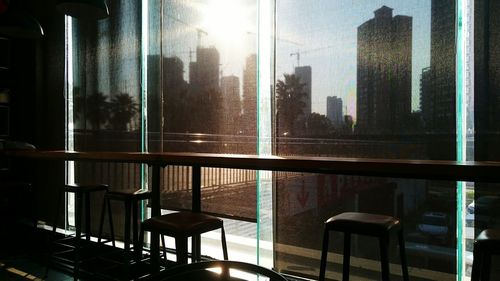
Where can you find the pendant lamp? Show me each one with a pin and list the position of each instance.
(84, 9)
(18, 24)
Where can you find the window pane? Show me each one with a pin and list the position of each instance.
(483, 210)
(107, 88)
(369, 79)
(106, 77)
(201, 97)
(202, 67)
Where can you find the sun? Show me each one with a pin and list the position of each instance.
(227, 21)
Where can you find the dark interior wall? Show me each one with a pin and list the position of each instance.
(37, 79)
(50, 98)
(37, 103)
(50, 108)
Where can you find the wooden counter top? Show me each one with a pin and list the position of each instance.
(480, 171)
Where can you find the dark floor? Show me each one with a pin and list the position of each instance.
(22, 255)
(27, 253)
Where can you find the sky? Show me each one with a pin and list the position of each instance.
(324, 32)
(327, 33)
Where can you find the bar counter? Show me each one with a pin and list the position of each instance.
(480, 171)
(474, 171)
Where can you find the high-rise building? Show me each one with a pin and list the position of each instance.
(174, 95)
(334, 111)
(165, 93)
(384, 73)
(230, 88)
(443, 66)
(204, 72)
(304, 73)
(426, 103)
(204, 92)
(250, 96)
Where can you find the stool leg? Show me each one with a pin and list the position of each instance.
(195, 248)
(127, 225)
(324, 253)
(347, 256)
(384, 258)
(78, 226)
(58, 206)
(181, 249)
(224, 244)
(477, 263)
(164, 247)
(138, 247)
(135, 207)
(402, 254)
(78, 215)
(111, 229)
(87, 216)
(486, 267)
(101, 221)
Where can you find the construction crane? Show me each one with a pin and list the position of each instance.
(298, 53)
(279, 39)
(199, 31)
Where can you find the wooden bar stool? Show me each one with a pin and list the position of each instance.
(181, 226)
(82, 201)
(82, 207)
(130, 199)
(378, 226)
(486, 244)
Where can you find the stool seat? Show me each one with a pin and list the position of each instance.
(182, 223)
(75, 188)
(181, 226)
(489, 237)
(129, 194)
(363, 223)
(486, 244)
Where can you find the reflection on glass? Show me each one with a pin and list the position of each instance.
(202, 76)
(370, 79)
(202, 97)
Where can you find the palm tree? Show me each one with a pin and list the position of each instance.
(318, 125)
(123, 109)
(290, 103)
(97, 110)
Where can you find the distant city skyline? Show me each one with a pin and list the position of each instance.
(323, 32)
(327, 33)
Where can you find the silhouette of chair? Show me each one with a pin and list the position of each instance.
(130, 199)
(382, 227)
(486, 244)
(82, 201)
(181, 226)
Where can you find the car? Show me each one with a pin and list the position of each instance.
(434, 224)
(487, 205)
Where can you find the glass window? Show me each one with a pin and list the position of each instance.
(366, 79)
(363, 79)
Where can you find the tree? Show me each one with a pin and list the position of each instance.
(97, 110)
(290, 96)
(123, 109)
(318, 125)
(78, 108)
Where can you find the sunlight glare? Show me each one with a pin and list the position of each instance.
(226, 21)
